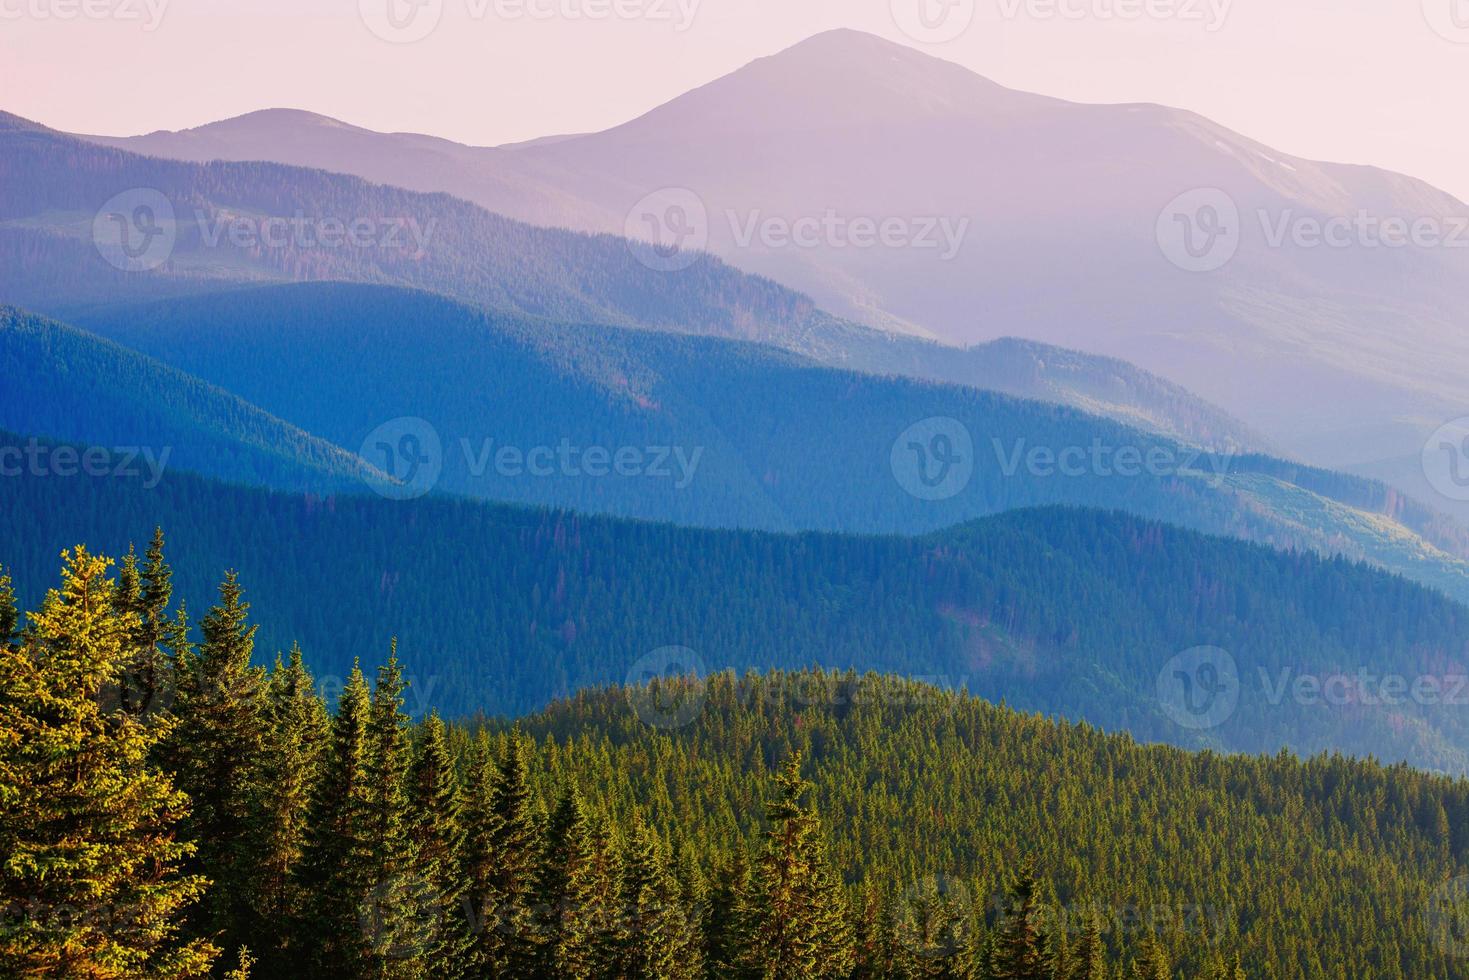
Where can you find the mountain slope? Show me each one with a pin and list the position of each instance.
(486, 260)
(754, 437)
(1346, 356)
(1071, 612)
(70, 386)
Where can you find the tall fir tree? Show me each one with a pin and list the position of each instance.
(1019, 950)
(216, 751)
(149, 672)
(394, 917)
(90, 880)
(437, 832)
(794, 916)
(1089, 961)
(653, 920)
(1152, 961)
(337, 853)
(9, 611)
(298, 728)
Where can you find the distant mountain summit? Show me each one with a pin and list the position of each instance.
(1347, 355)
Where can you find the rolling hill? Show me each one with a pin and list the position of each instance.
(753, 437)
(233, 224)
(1346, 355)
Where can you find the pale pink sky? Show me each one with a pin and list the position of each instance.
(1360, 81)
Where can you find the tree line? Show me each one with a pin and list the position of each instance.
(173, 809)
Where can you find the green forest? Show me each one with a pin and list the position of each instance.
(173, 809)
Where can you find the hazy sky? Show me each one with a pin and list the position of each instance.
(1361, 81)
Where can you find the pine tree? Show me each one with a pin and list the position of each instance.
(1152, 961)
(150, 668)
(794, 918)
(480, 863)
(1019, 945)
(653, 918)
(90, 881)
(298, 729)
(9, 612)
(437, 834)
(216, 752)
(1089, 959)
(337, 851)
(394, 919)
(513, 842)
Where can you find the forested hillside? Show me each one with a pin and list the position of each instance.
(753, 437)
(51, 187)
(171, 806)
(67, 385)
(1062, 611)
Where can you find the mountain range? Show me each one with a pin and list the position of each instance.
(1070, 211)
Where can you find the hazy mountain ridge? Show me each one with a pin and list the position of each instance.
(767, 440)
(1343, 356)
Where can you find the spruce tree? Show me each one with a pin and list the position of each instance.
(1152, 962)
(298, 727)
(1019, 945)
(90, 881)
(150, 667)
(794, 917)
(394, 919)
(9, 612)
(1088, 961)
(480, 863)
(437, 835)
(514, 843)
(653, 918)
(215, 750)
(337, 852)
